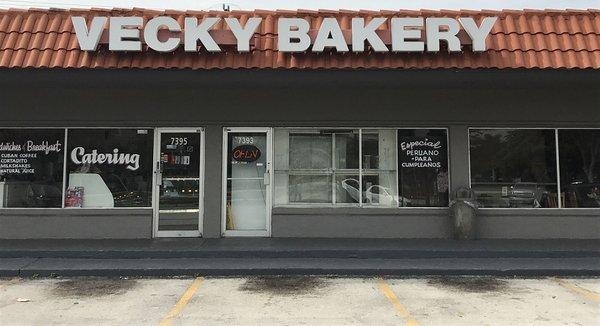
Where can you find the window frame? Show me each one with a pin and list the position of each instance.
(396, 172)
(557, 152)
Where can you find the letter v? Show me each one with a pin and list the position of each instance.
(88, 39)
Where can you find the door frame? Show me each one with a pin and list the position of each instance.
(155, 192)
(268, 200)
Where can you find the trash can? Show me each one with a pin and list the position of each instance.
(463, 213)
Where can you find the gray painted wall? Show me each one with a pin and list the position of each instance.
(75, 223)
(212, 181)
(456, 99)
(360, 223)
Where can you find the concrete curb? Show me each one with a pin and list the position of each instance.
(301, 266)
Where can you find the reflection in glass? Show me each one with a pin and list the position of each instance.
(579, 167)
(514, 167)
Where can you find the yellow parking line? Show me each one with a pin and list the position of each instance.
(183, 301)
(391, 296)
(579, 290)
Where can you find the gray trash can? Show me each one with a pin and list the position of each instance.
(463, 213)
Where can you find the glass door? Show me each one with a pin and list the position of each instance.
(178, 183)
(247, 182)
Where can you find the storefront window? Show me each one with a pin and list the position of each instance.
(109, 168)
(514, 167)
(322, 166)
(316, 166)
(423, 167)
(579, 167)
(31, 167)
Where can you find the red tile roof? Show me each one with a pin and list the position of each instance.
(38, 38)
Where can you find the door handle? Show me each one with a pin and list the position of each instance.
(267, 178)
(159, 168)
(158, 179)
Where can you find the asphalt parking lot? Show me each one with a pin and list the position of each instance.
(300, 300)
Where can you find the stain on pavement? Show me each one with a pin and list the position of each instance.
(92, 287)
(470, 284)
(284, 285)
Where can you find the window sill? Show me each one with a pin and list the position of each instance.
(74, 211)
(287, 210)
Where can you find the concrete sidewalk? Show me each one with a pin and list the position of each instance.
(297, 248)
(299, 266)
(270, 256)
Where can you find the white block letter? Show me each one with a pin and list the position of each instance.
(434, 35)
(362, 33)
(243, 34)
(285, 35)
(478, 34)
(151, 34)
(330, 26)
(124, 39)
(400, 35)
(88, 39)
(194, 32)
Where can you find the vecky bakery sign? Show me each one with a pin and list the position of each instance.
(406, 34)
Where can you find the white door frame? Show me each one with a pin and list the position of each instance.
(155, 193)
(268, 200)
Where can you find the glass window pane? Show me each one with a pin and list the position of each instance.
(379, 168)
(423, 167)
(346, 150)
(379, 189)
(310, 189)
(31, 167)
(514, 167)
(347, 189)
(579, 167)
(109, 168)
(309, 151)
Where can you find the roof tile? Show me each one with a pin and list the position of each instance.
(520, 39)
